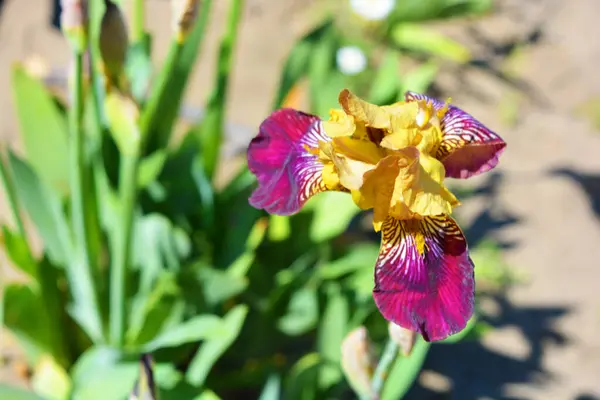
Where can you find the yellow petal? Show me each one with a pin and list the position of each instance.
(427, 195)
(382, 185)
(351, 172)
(363, 111)
(339, 124)
(360, 150)
(331, 177)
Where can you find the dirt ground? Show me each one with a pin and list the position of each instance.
(542, 203)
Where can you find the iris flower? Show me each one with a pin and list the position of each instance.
(391, 159)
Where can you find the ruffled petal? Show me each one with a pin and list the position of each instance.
(424, 276)
(288, 173)
(468, 148)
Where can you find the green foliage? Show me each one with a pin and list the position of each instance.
(143, 254)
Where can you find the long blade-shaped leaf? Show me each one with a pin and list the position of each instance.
(43, 129)
(162, 107)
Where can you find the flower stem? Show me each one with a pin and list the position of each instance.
(387, 358)
(83, 267)
(118, 278)
(138, 21)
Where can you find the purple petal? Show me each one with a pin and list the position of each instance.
(468, 147)
(424, 276)
(287, 173)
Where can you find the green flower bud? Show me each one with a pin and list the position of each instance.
(114, 41)
(74, 22)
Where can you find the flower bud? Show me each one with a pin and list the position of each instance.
(114, 41)
(358, 360)
(74, 22)
(404, 338)
(184, 16)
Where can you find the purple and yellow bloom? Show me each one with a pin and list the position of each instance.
(391, 159)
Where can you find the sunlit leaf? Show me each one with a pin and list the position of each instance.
(43, 129)
(405, 371)
(333, 212)
(198, 328)
(332, 329)
(13, 393)
(213, 348)
(425, 40)
(44, 208)
(386, 84)
(302, 381)
(302, 314)
(272, 388)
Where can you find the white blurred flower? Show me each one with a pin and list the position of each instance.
(373, 10)
(351, 60)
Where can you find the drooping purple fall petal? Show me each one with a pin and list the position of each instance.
(287, 173)
(424, 276)
(468, 148)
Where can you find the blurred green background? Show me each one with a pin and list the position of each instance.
(126, 229)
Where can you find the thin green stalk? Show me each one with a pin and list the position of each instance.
(118, 273)
(212, 126)
(381, 372)
(138, 22)
(11, 196)
(82, 273)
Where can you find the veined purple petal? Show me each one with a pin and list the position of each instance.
(468, 147)
(424, 276)
(287, 173)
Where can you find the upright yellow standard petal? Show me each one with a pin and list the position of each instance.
(405, 185)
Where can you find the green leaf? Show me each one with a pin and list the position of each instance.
(34, 332)
(211, 128)
(418, 38)
(302, 314)
(45, 209)
(212, 349)
(321, 67)
(139, 69)
(361, 256)
(386, 84)
(297, 63)
(207, 395)
(332, 331)
(105, 373)
(219, 285)
(420, 10)
(43, 129)
(162, 107)
(302, 380)
(333, 211)
(272, 388)
(13, 393)
(155, 309)
(405, 371)
(201, 327)
(101, 373)
(420, 79)
(17, 249)
(150, 168)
